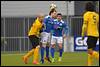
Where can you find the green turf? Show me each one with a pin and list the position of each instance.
(69, 59)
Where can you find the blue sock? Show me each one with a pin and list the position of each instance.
(47, 51)
(60, 51)
(42, 53)
(52, 52)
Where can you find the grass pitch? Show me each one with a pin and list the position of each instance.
(68, 59)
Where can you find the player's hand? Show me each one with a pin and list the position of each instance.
(41, 31)
(82, 38)
(64, 36)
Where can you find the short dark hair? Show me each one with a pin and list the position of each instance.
(51, 11)
(90, 6)
(59, 14)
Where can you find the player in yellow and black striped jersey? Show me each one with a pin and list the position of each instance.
(90, 28)
(33, 34)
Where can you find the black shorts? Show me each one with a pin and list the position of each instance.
(91, 42)
(34, 40)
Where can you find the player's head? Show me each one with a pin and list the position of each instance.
(40, 17)
(53, 13)
(59, 16)
(89, 7)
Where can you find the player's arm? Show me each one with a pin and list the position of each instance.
(98, 24)
(98, 21)
(41, 30)
(30, 28)
(84, 27)
(44, 23)
(65, 30)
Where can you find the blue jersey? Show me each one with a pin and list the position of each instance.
(48, 24)
(59, 28)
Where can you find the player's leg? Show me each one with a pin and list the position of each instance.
(25, 57)
(44, 42)
(43, 46)
(95, 54)
(36, 55)
(92, 54)
(47, 58)
(90, 57)
(47, 48)
(53, 42)
(36, 47)
(59, 41)
(91, 42)
(90, 50)
(30, 53)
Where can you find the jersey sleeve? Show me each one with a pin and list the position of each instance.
(44, 23)
(98, 18)
(85, 21)
(45, 20)
(65, 28)
(85, 18)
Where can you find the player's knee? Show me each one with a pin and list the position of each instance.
(60, 46)
(43, 45)
(90, 51)
(53, 46)
(47, 44)
(38, 46)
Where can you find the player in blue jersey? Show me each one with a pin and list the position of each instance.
(46, 34)
(59, 31)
